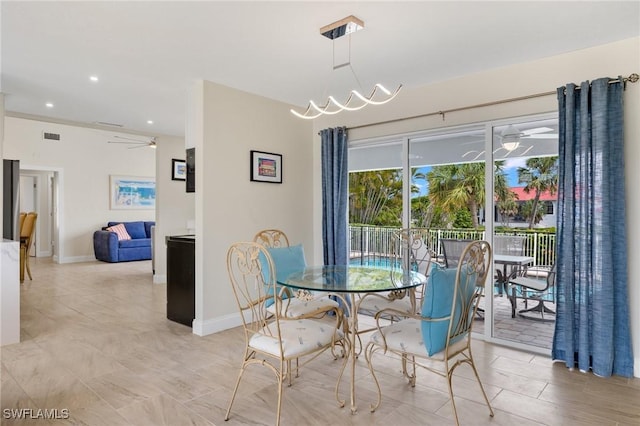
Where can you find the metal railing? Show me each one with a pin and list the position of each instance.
(372, 244)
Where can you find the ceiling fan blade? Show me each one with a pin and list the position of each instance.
(135, 140)
(542, 136)
(128, 143)
(537, 130)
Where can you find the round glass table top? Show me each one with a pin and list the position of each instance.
(353, 279)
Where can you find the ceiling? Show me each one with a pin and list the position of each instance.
(147, 54)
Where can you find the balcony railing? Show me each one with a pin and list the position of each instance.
(372, 244)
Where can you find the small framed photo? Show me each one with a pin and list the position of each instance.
(266, 167)
(178, 169)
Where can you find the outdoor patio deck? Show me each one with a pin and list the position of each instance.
(522, 330)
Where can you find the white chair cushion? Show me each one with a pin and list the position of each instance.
(294, 307)
(406, 336)
(534, 284)
(373, 303)
(298, 337)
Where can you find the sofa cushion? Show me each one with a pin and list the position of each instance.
(135, 229)
(120, 231)
(136, 242)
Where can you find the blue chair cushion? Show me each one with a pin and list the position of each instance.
(437, 304)
(286, 260)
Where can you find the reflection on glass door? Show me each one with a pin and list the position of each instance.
(524, 212)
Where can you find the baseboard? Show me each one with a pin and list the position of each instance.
(636, 367)
(159, 279)
(214, 325)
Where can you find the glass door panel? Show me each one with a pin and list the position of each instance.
(525, 199)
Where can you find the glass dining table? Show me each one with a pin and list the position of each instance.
(346, 283)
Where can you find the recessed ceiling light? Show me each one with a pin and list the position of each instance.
(49, 105)
(94, 78)
(149, 121)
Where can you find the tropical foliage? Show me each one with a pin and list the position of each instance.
(456, 193)
(539, 175)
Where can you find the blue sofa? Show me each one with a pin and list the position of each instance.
(108, 248)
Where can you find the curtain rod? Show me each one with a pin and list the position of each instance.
(633, 78)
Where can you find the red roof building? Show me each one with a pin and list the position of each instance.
(523, 196)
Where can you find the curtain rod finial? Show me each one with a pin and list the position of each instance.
(634, 77)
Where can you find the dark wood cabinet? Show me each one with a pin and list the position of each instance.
(181, 277)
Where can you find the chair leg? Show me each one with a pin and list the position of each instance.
(486, 399)
(235, 391)
(540, 307)
(368, 354)
(280, 383)
(27, 265)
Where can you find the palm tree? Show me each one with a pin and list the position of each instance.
(539, 175)
(458, 186)
(370, 192)
(505, 197)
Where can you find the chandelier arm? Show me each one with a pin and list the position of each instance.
(373, 92)
(304, 115)
(323, 109)
(346, 106)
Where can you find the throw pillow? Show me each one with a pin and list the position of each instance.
(437, 304)
(120, 231)
(286, 260)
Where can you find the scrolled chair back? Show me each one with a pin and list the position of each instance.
(410, 251)
(253, 287)
(271, 238)
(471, 275)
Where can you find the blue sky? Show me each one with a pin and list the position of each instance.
(510, 167)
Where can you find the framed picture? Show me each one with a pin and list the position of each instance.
(178, 169)
(132, 193)
(266, 167)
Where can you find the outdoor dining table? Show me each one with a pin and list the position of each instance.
(507, 260)
(345, 283)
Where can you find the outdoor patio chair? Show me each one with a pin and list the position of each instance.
(272, 340)
(439, 338)
(410, 252)
(535, 283)
(452, 250)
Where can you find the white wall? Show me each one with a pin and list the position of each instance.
(86, 161)
(231, 208)
(612, 60)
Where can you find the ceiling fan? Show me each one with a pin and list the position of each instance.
(138, 143)
(511, 139)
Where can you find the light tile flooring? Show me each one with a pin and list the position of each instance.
(95, 341)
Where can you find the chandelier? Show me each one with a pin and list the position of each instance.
(379, 95)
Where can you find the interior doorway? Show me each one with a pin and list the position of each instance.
(37, 193)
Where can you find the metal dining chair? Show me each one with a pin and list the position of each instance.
(438, 339)
(272, 340)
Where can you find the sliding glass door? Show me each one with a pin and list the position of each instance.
(438, 181)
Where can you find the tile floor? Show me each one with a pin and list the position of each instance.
(96, 345)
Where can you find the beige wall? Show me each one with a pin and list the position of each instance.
(229, 207)
(612, 60)
(174, 205)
